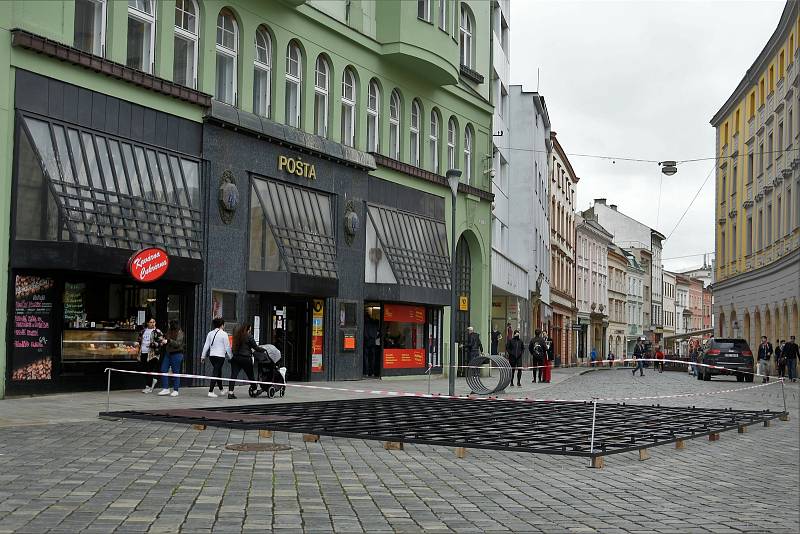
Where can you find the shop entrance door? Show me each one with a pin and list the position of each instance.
(285, 323)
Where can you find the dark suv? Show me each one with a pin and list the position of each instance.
(733, 355)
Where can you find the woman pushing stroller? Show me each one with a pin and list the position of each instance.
(243, 347)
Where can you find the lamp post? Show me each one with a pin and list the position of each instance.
(453, 176)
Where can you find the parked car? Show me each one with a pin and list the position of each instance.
(729, 356)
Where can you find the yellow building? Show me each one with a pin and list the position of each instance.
(757, 278)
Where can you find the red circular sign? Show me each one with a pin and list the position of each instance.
(148, 265)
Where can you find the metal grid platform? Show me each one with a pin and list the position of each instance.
(562, 428)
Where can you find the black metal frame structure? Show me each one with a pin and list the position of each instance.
(542, 427)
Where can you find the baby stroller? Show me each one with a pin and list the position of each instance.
(267, 370)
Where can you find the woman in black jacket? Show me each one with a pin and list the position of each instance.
(515, 349)
(243, 346)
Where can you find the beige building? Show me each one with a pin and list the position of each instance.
(617, 301)
(563, 188)
(757, 279)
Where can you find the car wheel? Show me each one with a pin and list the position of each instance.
(749, 378)
(739, 378)
(707, 377)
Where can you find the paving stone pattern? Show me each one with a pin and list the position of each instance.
(132, 476)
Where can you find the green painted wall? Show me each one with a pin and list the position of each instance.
(381, 40)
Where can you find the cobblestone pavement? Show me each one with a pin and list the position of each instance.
(133, 476)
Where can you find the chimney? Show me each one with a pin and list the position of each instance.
(613, 207)
(600, 201)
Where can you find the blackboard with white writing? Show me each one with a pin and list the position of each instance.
(32, 357)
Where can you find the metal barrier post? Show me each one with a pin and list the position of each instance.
(783, 392)
(108, 391)
(430, 372)
(594, 419)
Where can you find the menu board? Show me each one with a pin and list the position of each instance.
(32, 357)
(73, 302)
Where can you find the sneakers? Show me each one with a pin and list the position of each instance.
(174, 393)
(231, 396)
(163, 392)
(212, 395)
(147, 389)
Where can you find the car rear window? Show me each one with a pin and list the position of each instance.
(739, 345)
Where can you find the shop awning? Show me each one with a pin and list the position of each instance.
(415, 248)
(291, 229)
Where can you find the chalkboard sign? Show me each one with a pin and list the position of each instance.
(32, 357)
(73, 302)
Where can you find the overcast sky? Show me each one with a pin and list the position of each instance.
(641, 79)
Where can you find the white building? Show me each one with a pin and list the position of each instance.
(682, 315)
(510, 281)
(592, 241)
(528, 212)
(669, 308)
(635, 301)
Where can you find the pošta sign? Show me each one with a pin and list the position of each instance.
(297, 166)
(148, 265)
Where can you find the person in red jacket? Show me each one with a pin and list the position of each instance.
(660, 358)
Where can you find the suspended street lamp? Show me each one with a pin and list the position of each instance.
(668, 167)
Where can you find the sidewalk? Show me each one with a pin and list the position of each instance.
(84, 406)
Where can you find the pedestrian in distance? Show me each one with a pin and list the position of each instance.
(639, 353)
(244, 344)
(514, 351)
(593, 357)
(549, 357)
(372, 348)
(218, 349)
(611, 359)
(473, 346)
(495, 341)
(660, 358)
(538, 350)
(151, 341)
(791, 352)
(173, 359)
(764, 354)
(780, 359)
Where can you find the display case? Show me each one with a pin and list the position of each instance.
(100, 344)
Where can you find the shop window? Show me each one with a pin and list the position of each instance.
(348, 108)
(185, 45)
(141, 35)
(262, 74)
(227, 50)
(294, 69)
(403, 337)
(295, 223)
(107, 192)
(90, 26)
(394, 125)
(373, 117)
(321, 77)
(223, 304)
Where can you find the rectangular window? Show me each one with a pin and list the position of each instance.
(749, 236)
(769, 151)
(225, 78)
(90, 26)
(750, 168)
(424, 10)
(394, 139)
(760, 158)
(769, 225)
(789, 132)
(780, 141)
(734, 179)
(141, 20)
(261, 96)
(760, 229)
(185, 58)
(292, 103)
(348, 118)
(733, 244)
(779, 218)
(752, 105)
(223, 304)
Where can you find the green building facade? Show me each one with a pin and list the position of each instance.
(378, 99)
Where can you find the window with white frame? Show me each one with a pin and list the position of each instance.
(321, 77)
(89, 33)
(227, 50)
(141, 35)
(413, 140)
(443, 14)
(452, 132)
(262, 73)
(294, 69)
(394, 125)
(465, 36)
(348, 108)
(184, 69)
(468, 155)
(433, 141)
(424, 10)
(373, 116)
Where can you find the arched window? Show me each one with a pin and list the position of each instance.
(373, 117)
(184, 70)
(262, 74)
(89, 33)
(452, 133)
(468, 154)
(294, 76)
(141, 35)
(348, 108)
(227, 51)
(414, 134)
(321, 77)
(394, 125)
(433, 141)
(465, 36)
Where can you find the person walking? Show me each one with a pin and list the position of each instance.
(473, 346)
(639, 353)
(217, 348)
(549, 357)
(173, 358)
(244, 344)
(780, 360)
(660, 358)
(593, 357)
(611, 359)
(151, 340)
(537, 348)
(495, 341)
(764, 355)
(514, 351)
(372, 347)
(791, 352)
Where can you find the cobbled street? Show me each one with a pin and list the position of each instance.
(134, 476)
